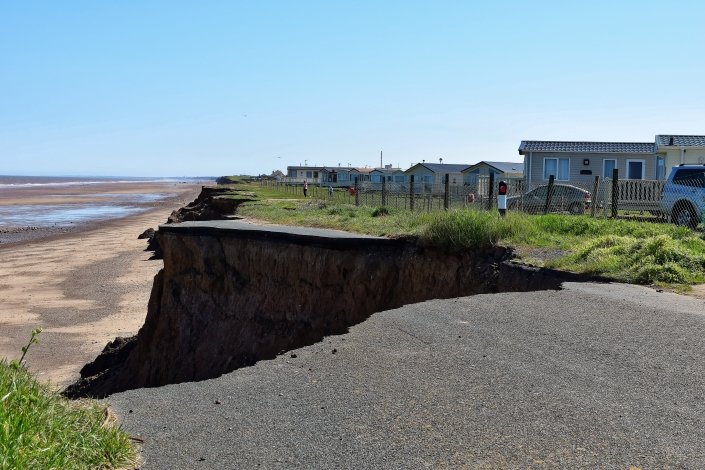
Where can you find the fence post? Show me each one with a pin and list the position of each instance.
(615, 191)
(490, 192)
(549, 194)
(384, 190)
(411, 194)
(357, 193)
(594, 196)
(446, 194)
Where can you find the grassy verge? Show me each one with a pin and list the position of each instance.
(627, 251)
(41, 429)
(623, 250)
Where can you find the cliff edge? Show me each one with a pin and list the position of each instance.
(232, 293)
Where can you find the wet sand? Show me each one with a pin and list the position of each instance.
(83, 288)
(27, 211)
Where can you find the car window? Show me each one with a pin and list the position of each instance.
(539, 192)
(576, 193)
(560, 191)
(694, 177)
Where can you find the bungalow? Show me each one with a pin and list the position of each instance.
(337, 176)
(499, 169)
(677, 149)
(434, 173)
(388, 174)
(362, 174)
(312, 174)
(579, 162)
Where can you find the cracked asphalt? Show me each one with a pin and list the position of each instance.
(592, 376)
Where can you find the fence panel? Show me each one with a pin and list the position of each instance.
(591, 197)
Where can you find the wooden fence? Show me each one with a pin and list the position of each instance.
(636, 195)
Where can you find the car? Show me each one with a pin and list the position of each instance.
(683, 195)
(565, 198)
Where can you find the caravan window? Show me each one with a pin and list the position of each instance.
(558, 167)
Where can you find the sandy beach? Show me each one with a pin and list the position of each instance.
(84, 287)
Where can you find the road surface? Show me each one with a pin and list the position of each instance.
(594, 375)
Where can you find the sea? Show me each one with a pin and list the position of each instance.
(58, 204)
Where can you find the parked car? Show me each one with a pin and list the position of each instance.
(565, 198)
(683, 196)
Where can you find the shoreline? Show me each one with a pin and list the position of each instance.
(17, 235)
(84, 287)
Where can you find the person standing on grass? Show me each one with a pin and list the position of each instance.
(330, 191)
(305, 188)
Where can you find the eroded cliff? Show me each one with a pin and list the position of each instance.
(232, 293)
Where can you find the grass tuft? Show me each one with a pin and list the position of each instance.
(458, 229)
(41, 429)
(658, 259)
(380, 211)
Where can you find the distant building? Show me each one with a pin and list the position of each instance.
(388, 174)
(312, 174)
(337, 176)
(434, 173)
(362, 174)
(499, 169)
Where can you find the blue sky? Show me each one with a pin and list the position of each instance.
(170, 88)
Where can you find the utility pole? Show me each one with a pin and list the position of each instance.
(380, 160)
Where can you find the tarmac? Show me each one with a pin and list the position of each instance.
(591, 376)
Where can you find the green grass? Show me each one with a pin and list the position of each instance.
(628, 251)
(41, 429)
(623, 250)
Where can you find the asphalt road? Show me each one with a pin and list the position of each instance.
(593, 376)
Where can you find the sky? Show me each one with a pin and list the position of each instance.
(177, 88)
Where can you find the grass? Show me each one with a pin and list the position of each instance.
(622, 250)
(41, 429)
(627, 251)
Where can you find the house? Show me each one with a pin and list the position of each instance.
(337, 176)
(677, 149)
(388, 174)
(579, 162)
(434, 173)
(499, 169)
(362, 174)
(312, 174)
(399, 176)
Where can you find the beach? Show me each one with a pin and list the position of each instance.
(83, 282)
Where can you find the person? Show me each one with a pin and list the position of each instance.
(305, 188)
(330, 191)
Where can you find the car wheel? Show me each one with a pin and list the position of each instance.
(684, 215)
(576, 208)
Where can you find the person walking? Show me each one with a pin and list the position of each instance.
(305, 188)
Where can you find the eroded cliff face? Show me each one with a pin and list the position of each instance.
(232, 293)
